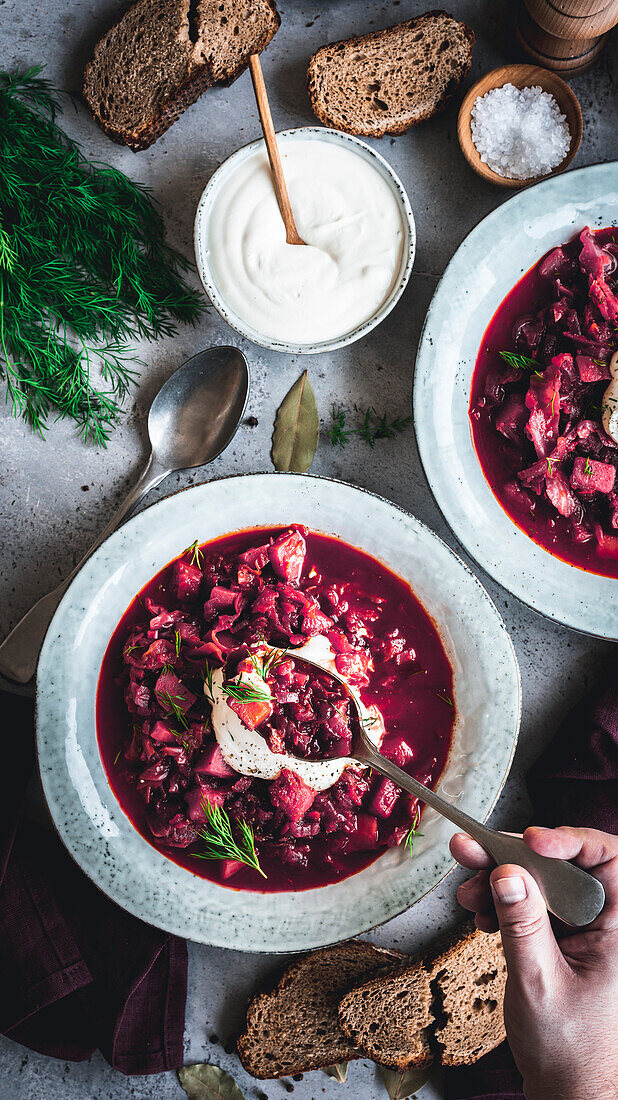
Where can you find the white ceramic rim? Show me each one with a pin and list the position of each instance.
(545, 214)
(200, 241)
(71, 769)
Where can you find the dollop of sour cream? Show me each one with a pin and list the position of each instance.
(247, 752)
(351, 221)
(609, 404)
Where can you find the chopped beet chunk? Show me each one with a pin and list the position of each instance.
(288, 792)
(186, 580)
(590, 476)
(287, 556)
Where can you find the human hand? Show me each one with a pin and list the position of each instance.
(561, 999)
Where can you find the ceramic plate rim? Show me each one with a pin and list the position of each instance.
(593, 587)
(47, 714)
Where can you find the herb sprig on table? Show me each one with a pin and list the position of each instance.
(370, 428)
(84, 269)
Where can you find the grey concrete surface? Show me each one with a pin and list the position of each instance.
(55, 495)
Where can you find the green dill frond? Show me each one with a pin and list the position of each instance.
(85, 270)
(220, 842)
(371, 426)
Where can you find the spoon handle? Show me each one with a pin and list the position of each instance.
(19, 652)
(283, 199)
(571, 894)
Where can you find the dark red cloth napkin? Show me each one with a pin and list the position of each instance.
(572, 783)
(76, 972)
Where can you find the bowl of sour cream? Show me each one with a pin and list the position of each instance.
(352, 211)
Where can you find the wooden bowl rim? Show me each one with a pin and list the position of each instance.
(496, 78)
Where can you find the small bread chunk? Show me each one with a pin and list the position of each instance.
(391, 1020)
(162, 54)
(448, 1006)
(470, 1002)
(387, 81)
(294, 1028)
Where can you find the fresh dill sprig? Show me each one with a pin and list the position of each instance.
(171, 702)
(588, 468)
(519, 362)
(220, 842)
(117, 756)
(196, 555)
(269, 662)
(182, 740)
(84, 270)
(245, 692)
(445, 698)
(207, 678)
(177, 642)
(371, 427)
(413, 832)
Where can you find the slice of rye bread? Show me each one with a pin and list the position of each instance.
(387, 81)
(447, 1007)
(293, 1028)
(162, 54)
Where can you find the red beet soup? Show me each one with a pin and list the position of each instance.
(214, 616)
(537, 402)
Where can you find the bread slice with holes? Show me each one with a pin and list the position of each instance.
(388, 81)
(447, 1006)
(293, 1027)
(162, 54)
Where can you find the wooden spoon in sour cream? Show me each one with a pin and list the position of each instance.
(292, 235)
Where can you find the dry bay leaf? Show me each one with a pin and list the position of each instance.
(204, 1081)
(297, 428)
(338, 1072)
(400, 1084)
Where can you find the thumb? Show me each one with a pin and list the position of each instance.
(529, 943)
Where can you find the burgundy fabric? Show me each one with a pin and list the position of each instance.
(76, 972)
(572, 783)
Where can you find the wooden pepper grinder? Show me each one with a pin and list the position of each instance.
(565, 35)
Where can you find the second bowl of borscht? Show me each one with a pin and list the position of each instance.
(516, 397)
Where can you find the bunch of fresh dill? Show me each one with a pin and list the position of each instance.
(84, 269)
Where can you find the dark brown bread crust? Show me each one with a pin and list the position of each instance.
(367, 959)
(375, 36)
(186, 94)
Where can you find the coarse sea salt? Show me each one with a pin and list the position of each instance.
(519, 132)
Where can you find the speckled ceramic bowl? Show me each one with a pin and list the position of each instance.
(201, 238)
(488, 263)
(90, 821)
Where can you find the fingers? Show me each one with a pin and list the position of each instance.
(470, 854)
(588, 847)
(532, 953)
(475, 894)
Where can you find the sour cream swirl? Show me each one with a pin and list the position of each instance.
(246, 751)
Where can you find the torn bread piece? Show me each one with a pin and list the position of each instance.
(446, 1007)
(162, 54)
(293, 1028)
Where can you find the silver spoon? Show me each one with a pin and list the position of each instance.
(191, 420)
(570, 893)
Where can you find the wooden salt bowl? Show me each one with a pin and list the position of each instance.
(521, 76)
